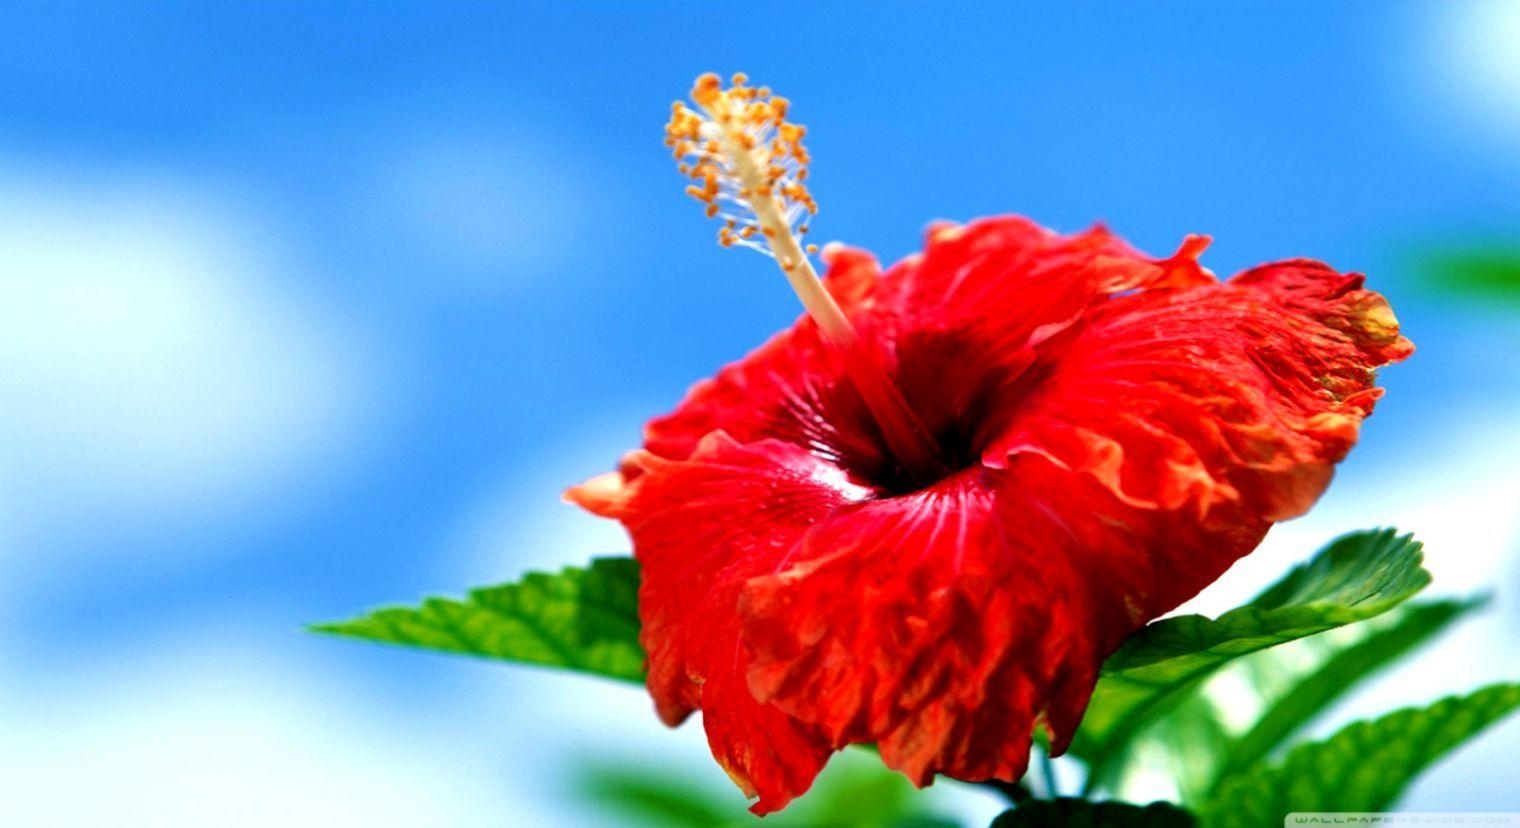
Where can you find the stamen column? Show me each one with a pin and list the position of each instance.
(750, 156)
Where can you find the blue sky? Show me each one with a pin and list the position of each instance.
(318, 307)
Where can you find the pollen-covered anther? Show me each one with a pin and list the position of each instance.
(746, 161)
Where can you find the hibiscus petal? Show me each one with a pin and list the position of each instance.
(1010, 277)
(1249, 390)
(945, 624)
(701, 528)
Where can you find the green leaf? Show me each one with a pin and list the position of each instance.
(1079, 813)
(1482, 271)
(1413, 625)
(1364, 767)
(656, 798)
(1245, 711)
(1356, 577)
(579, 619)
(855, 789)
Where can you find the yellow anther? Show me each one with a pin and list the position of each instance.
(707, 91)
(737, 147)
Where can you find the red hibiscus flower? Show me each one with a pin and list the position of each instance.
(928, 532)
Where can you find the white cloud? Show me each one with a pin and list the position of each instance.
(1468, 69)
(160, 366)
(206, 732)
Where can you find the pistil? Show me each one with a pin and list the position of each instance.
(743, 155)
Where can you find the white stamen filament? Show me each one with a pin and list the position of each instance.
(776, 228)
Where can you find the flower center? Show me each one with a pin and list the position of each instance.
(963, 398)
(746, 157)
